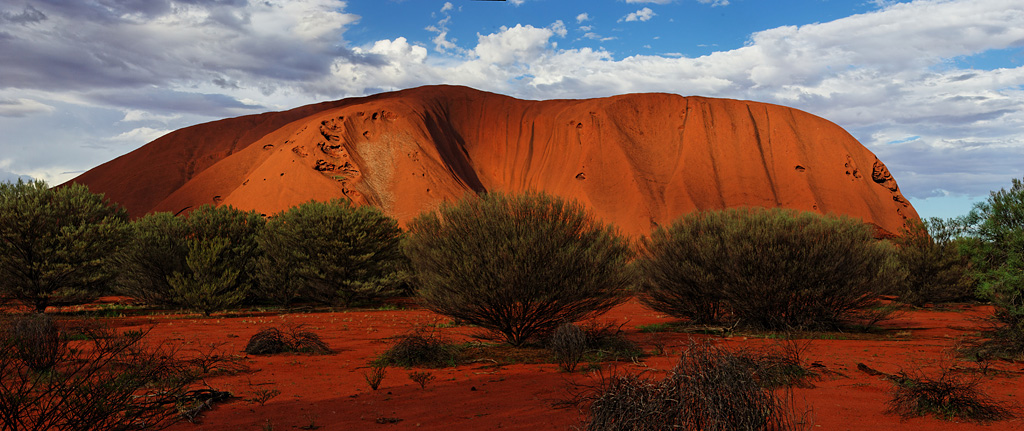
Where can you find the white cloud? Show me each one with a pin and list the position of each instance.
(640, 15)
(714, 3)
(652, 1)
(582, 17)
(140, 135)
(136, 115)
(447, 6)
(559, 28)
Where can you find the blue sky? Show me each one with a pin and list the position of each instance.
(934, 87)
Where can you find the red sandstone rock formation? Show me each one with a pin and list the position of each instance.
(636, 160)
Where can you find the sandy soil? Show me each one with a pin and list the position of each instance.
(330, 392)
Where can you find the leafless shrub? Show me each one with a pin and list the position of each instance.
(375, 376)
(568, 343)
(422, 378)
(948, 396)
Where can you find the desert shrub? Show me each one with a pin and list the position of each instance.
(946, 397)
(36, 341)
(568, 344)
(109, 381)
(270, 341)
(936, 270)
(57, 245)
(517, 265)
(420, 348)
(994, 238)
(710, 388)
(204, 261)
(333, 253)
(768, 269)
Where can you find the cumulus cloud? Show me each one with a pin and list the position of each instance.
(644, 14)
(714, 3)
(582, 17)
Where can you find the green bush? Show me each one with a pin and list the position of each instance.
(204, 261)
(271, 341)
(994, 238)
(57, 245)
(420, 349)
(936, 270)
(517, 265)
(769, 269)
(333, 253)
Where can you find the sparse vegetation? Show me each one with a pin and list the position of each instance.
(109, 381)
(57, 244)
(517, 265)
(710, 389)
(376, 375)
(948, 397)
(768, 269)
(271, 341)
(568, 344)
(422, 378)
(334, 253)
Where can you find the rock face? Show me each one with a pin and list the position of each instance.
(636, 160)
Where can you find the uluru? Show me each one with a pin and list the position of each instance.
(636, 160)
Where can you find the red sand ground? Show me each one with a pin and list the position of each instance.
(330, 392)
(636, 160)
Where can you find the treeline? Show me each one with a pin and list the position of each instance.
(519, 265)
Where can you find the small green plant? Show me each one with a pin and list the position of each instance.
(272, 340)
(946, 397)
(376, 375)
(261, 396)
(659, 327)
(422, 378)
(420, 348)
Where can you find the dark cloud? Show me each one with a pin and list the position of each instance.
(176, 102)
(28, 15)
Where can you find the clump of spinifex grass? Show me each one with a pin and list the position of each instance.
(948, 396)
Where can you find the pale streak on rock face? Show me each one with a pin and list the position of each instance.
(635, 160)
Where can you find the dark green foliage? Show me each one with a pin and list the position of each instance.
(271, 341)
(210, 281)
(518, 265)
(421, 349)
(333, 253)
(710, 389)
(56, 245)
(108, 382)
(994, 232)
(936, 270)
(768, 269)
(157, 251)
(36, 341)
(947, 397)
(203, 262)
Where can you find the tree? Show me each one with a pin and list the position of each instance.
(936, 270)
(57, 245)
(518, 265)
(203, 261)
(995, 231)
(333, 253)
(767, 269)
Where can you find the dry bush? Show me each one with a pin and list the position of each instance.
(109, 381)
(422, 378)
(710, 389)
(420, 348)
(948, 397)
(568, 343)
(271, 341)
(36, 341)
